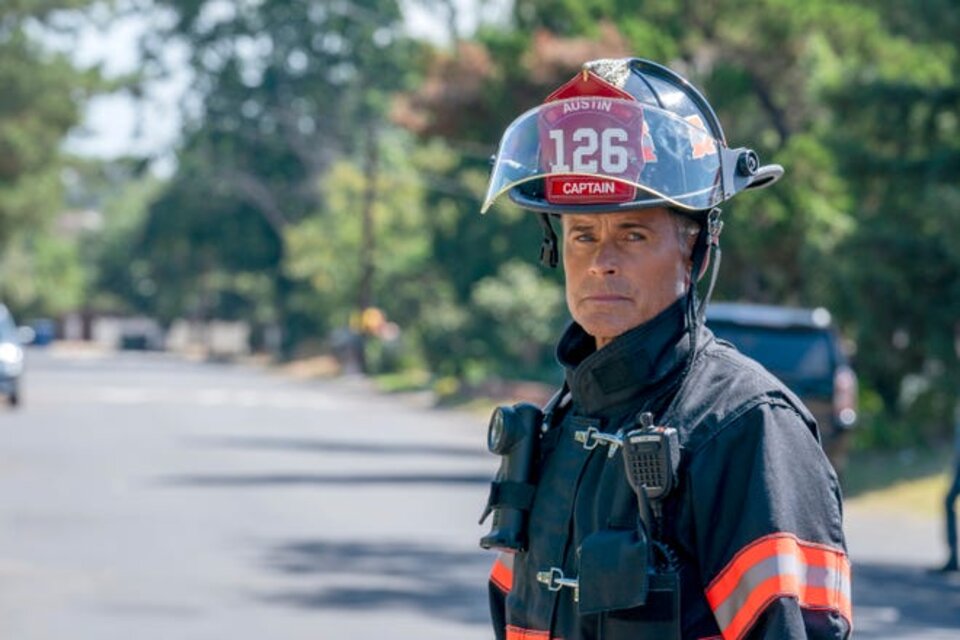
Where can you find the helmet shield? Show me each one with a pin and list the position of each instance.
(595, 152)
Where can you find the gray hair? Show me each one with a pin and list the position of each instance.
(687, 227)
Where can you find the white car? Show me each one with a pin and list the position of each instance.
(11, 357)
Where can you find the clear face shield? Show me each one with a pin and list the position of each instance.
(601, 152)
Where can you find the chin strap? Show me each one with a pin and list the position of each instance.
(549, 252)
(708, 239)
(714, 227)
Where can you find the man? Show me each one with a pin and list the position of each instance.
(950, 501)
(745, 540)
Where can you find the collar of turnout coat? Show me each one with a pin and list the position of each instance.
(629, 367)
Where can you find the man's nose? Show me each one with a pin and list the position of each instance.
(606, 259)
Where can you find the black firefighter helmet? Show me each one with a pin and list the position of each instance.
(622, 134)
(626, 134)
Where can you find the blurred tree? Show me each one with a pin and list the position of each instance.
(324, 248)
(42, 275)
(286, 89)
(522, 314)
(770, 100)
(121, 191)
(296, 201)
(858, 100)
(40, 101)
(898, 137)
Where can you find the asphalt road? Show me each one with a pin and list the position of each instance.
(146, 497)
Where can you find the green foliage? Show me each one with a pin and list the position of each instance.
(40, 101)
(326, 248)
(38, 105)
(288, 91)
(896, 145)
(194, 245)
(857, 100)
(299, 161)
(522, 314)
(42, 275)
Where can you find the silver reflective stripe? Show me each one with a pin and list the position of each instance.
(780, 565)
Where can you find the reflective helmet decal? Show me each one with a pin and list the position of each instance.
(589, 136)
(622, 134)
(592, 151)
(702, 145)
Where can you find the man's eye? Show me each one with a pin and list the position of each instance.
(635, 236)
(584, 237)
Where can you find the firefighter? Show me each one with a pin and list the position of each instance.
(950, 502)
(735, 531)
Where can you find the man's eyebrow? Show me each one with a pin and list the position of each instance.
(580, 227)
(634, 224)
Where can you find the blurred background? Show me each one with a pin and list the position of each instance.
(298, 182)
(252, 176)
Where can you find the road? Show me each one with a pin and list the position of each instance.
(142, 496)
(145, 497)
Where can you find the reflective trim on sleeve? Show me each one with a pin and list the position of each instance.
(777, 566)
(502, 572)
(519, 633)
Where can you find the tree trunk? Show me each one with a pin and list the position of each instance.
(368, 244)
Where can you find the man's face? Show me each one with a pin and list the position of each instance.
(622, 269)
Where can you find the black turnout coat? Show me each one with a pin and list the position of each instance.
(754, 522)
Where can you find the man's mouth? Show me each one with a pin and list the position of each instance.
(605, 297)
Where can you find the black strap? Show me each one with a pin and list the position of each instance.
(515, 495)
(549, 251)
(556, 404)
(512, 495)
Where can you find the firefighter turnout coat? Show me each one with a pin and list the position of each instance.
(754, 523)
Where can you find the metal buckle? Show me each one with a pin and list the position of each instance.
(554, 581)
(714, 227)
(586, 438)
(591, 437)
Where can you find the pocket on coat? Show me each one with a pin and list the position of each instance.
(615, 583)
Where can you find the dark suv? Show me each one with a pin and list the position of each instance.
(801, 347)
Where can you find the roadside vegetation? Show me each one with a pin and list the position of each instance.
(327, 182)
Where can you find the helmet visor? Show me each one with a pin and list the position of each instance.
(599, 150)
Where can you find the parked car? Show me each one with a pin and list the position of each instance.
(44, 329)
(11, 357)
(802, 348)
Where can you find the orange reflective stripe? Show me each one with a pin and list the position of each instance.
(775, 566)
(702, 143)
(727, 580)
(519, 633)
(502, 575)
(777, 587)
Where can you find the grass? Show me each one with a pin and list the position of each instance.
(913, 480)
(403, 381)
(922, 497)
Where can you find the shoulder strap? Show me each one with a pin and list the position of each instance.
(553, 410)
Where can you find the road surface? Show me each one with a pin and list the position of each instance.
(142, 496)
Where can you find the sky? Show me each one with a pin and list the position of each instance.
(115, 125)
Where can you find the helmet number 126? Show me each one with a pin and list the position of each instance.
(613, 158)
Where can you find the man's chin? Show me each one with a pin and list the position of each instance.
(605, 329)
